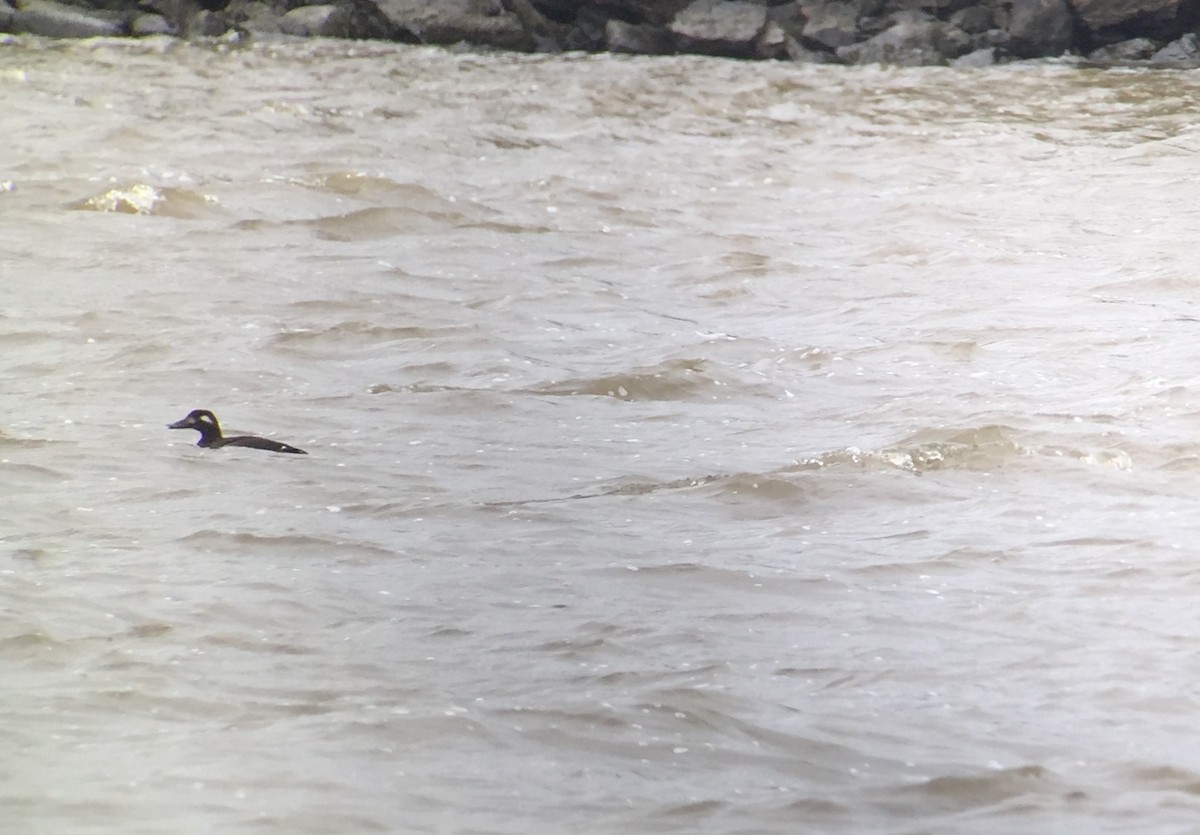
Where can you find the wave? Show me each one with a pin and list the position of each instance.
(144, 199)
(209, 539)
(356, 334)
(677, 379)
(981, 448)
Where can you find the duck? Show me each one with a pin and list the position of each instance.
(205, 422)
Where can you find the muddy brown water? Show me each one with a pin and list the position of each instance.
(695, 446)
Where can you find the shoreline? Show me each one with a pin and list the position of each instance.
(963, 33)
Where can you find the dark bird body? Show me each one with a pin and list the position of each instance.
(205, 422)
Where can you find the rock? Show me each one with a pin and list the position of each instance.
(1038, 28)
(255, 16)
(1181, 54)
(974, 20)
(789, 17)
(771, 42)
(586, 31)
(831, 25)
(985, 57)
(992, 37)
(638, 39)
(546, 35)
(1112, 20)
(653, 12)
(149, 24)
(872, 26)
(356, 21)
(801, 54)
(481, 22)
(866, 8)
(1134, 49)
(313, 22)
(52, 20)
(930, 7)
(208, 24)
(909, 44)
(713, 27)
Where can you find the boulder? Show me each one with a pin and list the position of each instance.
(933, 8)
(801, 54)
(482, 22)
(974, 20)
(1181, 54)
(149, 24)
(53, 20)
(654, 12)
(638, 39)
(586, 31)
(546, 35)
(1113, 20)
(1038, 28)
(1134, 49)
(714, 27)
(909, 44)
(985, 57)
(830, 25)
(208, 24)
(324, 21)
(771, 42)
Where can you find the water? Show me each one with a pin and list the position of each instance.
(695, 446)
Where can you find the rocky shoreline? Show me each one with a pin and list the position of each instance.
(1155, 33)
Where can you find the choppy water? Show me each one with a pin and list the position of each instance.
(696, 446)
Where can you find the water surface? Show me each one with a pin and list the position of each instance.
(695, 446)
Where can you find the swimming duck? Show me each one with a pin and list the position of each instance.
(205, 422)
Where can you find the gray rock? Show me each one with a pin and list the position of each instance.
(52, 20)
(714, 27)
(255, 17)
(651, 12)
(586, 31)
(974, 20)
(313, 21)
(343, 20)
(985, 57)
(1181, 54)
(148, 25)
(1134, 49)
(771, 42)
(910, 16)
(483, 22)
(789, 16)
(867, 8)
(638, 39)
(831, 25)
(910, 44)
(1118, 19)
(930, 7)
(798, 52)
(208, 24)
(546, 35)
(992, 37)
(1039, 28)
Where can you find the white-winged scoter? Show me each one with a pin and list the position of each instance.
(205, 422)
